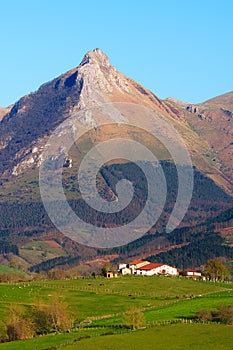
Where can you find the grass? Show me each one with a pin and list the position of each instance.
(98, 297)
(104, 302)
(48, 341)
(7, 269)
(188, 308)
(172, 337)
(156, 286)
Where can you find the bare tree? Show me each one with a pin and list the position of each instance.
(20, 325)
(58, 315)
(134, 318)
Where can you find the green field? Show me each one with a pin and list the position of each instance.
(173, 337)
(6, 269)
(100, 305)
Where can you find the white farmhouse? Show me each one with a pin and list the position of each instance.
(131, 268)
(137, 264)
(157, 269)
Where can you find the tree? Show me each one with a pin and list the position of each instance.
(215, 270)
(10, 277)
(20, 325)
(53, 317)
(56, 274)
(225, 314)
(60, 318)
(104, 269)
(134, 318)
(204, 315)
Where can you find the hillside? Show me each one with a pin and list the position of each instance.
(213, 122)
(187, 247)
(222, 100)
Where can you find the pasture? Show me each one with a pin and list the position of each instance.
(98, 306)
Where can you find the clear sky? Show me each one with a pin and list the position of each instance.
(178, 48)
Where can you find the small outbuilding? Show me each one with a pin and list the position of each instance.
(111, 274)
(194, 274)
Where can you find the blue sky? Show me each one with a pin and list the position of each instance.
(176, 48)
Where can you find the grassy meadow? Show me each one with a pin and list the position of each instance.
(98, 306)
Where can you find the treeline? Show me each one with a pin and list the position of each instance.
(130, 247)
(225, 216)
(5, 233)
(49, 264)
(158, 241)
(196, 253)
(23, 215)
(6, 248)
(190, 235)
(207, 197)
(11, 277)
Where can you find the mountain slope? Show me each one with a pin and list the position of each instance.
(3, 112)
(222, 100)
(213, 122)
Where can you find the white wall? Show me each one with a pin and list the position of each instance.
(191, 273)
(126, 271)
(164, 269)
(121, 266)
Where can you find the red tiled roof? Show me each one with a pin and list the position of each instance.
(150, 267)
(137, 262)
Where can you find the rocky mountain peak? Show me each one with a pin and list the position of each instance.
(96, 56)
(97, 78)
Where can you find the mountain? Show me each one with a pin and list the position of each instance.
(26, 126)
(213, 122)
(222, 100)
(25, 129)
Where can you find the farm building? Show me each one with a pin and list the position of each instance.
(137, 264)
(131, 268)
(125, 271)
(157, 269)
(143, 267)
(111, 274)
(195, 274)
